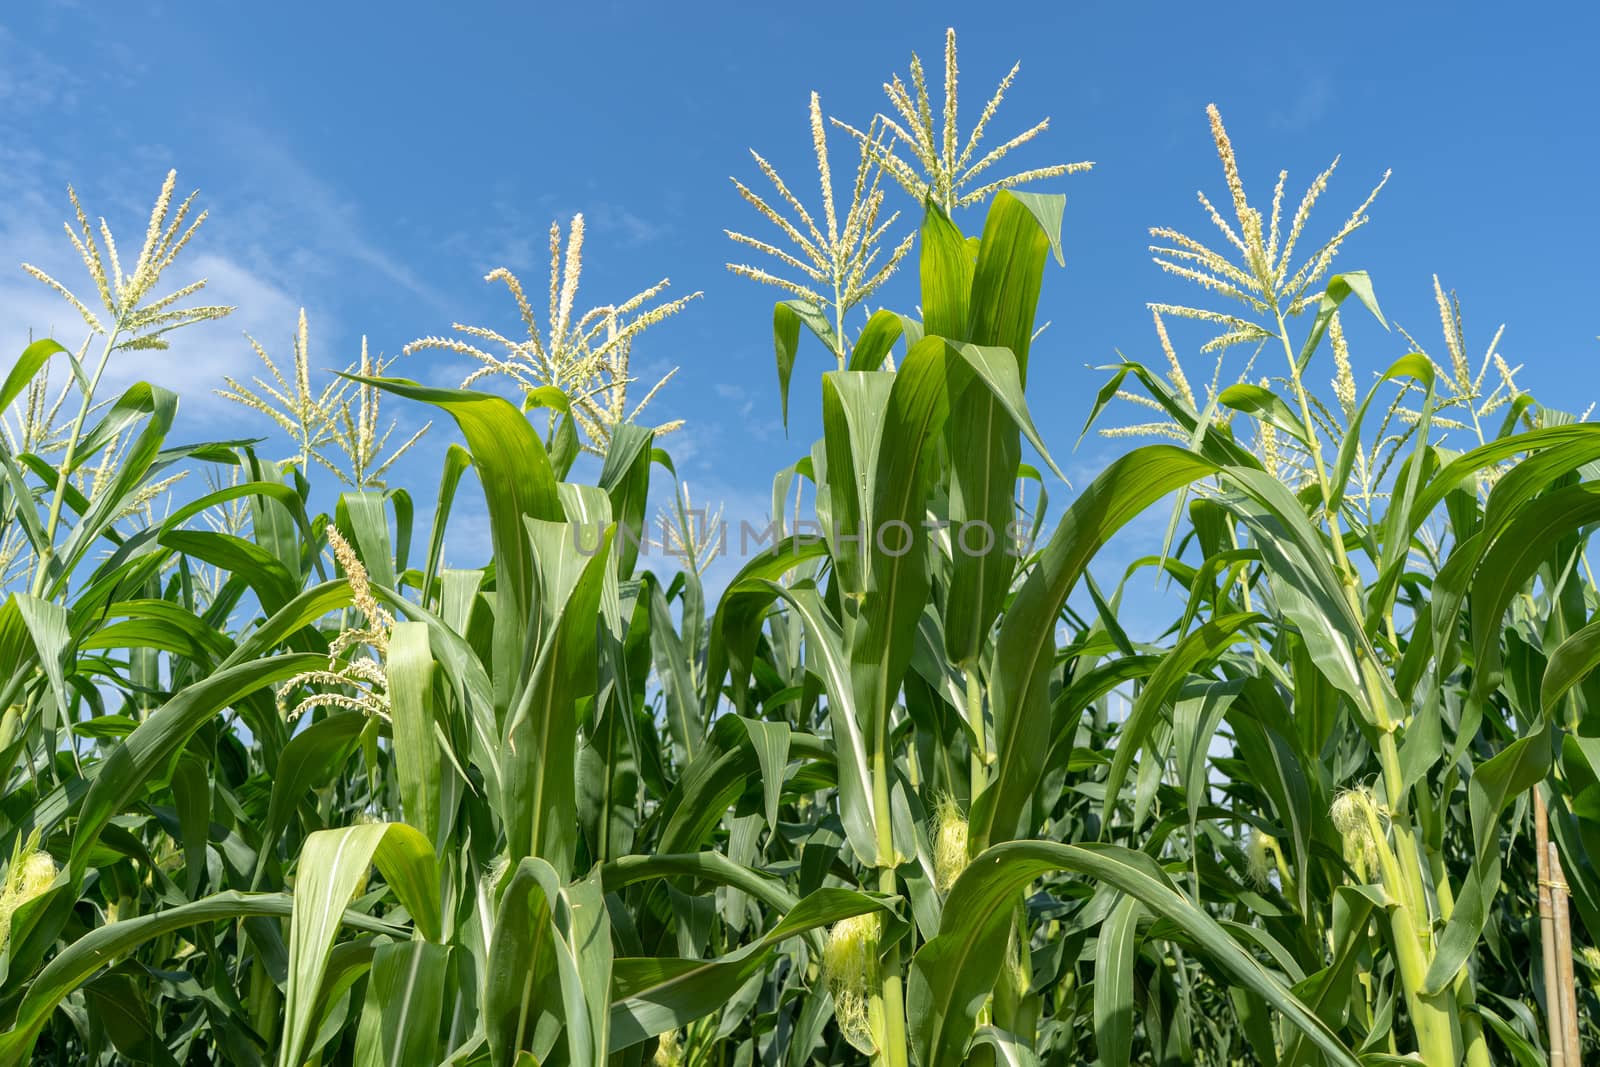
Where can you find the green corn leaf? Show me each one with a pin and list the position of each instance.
(33, 357)
(853, 405)
(405, 997)
(312, 758)
(946, 267)
(1568, 447)
(1572, 661)
(625, 477)
(734, 626)
(1414, 366)
(672, 663)
(713, 867)
(1023, 650)
(156, 407)
(1493, 785)
(879, 335)
(519, 483)
(540, 733)
(47, 627)
(272, 582)
(1340, 287)
(455, 464)
(1116, 948)
(787, 317)
(125, 772)
(549, 969)
(1200, 647)
(653, 995)
(771, 741)
(71, 967)
(852, 745)
(953, 973)
(333, 868)
(1310, 593)
(1265, 405)
(416, 751)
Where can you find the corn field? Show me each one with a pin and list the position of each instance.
(283, 787)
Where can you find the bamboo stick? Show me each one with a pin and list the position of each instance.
(1547, 935)
(1569, 985)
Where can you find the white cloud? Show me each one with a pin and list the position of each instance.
(286, 194)
(281, 235)
(200, 355)
(738, 398)
(31, 82)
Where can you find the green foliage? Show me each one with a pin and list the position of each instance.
(276, 790)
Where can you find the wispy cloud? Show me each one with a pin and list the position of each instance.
(515, 231)
(30, 221)
(31, 81)
(285, 196)
(1308, 106)
(628, 227)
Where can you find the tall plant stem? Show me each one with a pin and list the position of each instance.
(980, 744)
(893, 1050)
(1407, 882)
(1432, 1015)
(840, 351)
(41, 577)
(1314, 446)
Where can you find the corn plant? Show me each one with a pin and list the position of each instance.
(284, 786)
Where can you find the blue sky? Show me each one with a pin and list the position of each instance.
(372, 163)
